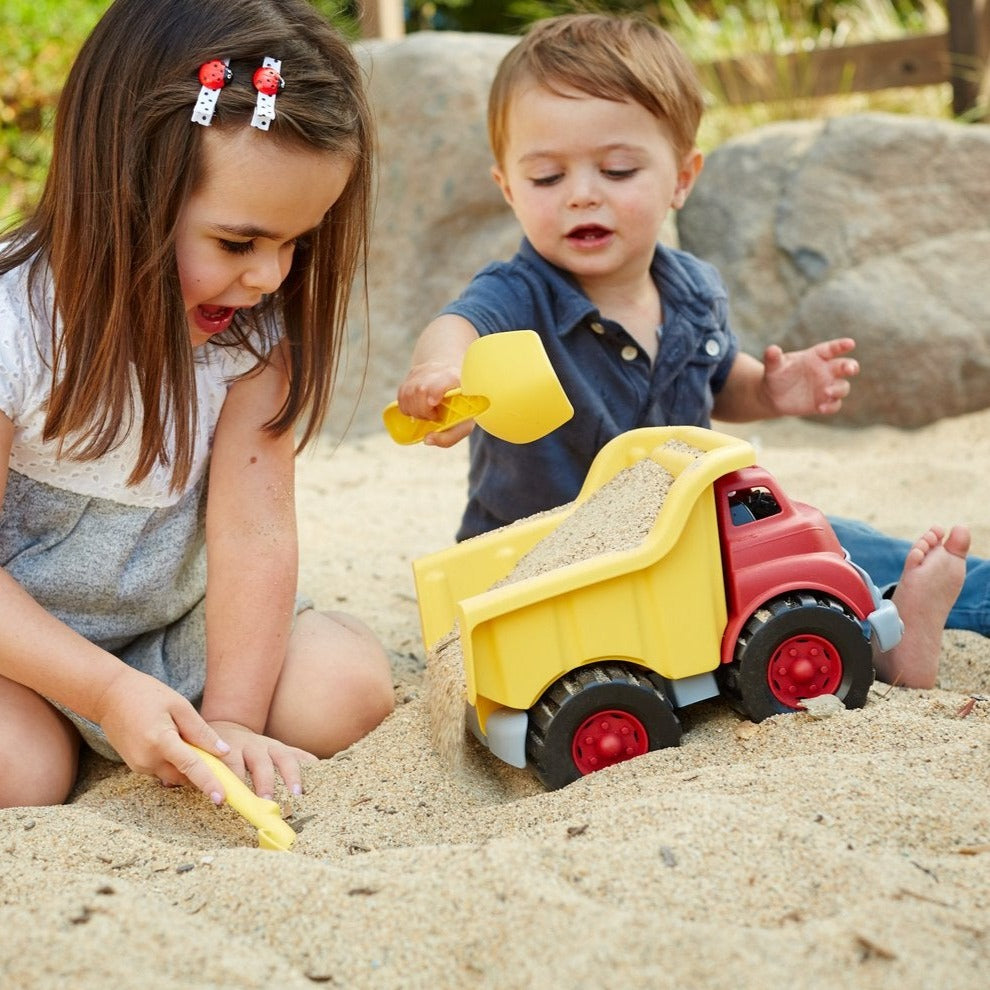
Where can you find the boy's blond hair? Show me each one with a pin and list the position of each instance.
(605, 56)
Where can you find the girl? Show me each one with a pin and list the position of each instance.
(170, 313)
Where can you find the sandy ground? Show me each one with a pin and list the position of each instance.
(852, 851)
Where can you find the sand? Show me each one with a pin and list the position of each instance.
(843, 851)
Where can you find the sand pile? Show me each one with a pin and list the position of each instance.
(846, 852)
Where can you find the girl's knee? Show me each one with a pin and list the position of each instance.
(39, 750)
(377, 694)
(370, 680)
(336, 686)
(361, 688)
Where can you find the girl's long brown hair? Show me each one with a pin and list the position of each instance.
(126, 156)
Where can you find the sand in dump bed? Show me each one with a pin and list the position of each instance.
(615, 517)
(848, 851)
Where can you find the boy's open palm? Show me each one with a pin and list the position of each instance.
(813, 380)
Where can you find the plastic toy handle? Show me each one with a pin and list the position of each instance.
(456, 407)
(273, 831)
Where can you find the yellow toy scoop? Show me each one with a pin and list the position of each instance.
(507, 384)
(273, 831)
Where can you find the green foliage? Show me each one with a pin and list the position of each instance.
(342, 13)
(818, 17)
(502, 16)
(38, 41)
(722, 28)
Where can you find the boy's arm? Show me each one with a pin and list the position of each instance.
(435, 368)
(787, 383)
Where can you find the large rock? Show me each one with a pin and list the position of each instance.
(872, 226)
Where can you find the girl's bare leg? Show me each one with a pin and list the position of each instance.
(928, 587)
(335, 687)
(39, 749)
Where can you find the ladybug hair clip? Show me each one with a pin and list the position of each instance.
(213, 76)
(269, 83)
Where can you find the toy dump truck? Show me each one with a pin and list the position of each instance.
(729, 588)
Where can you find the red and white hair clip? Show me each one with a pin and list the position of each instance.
(213, 76)
(268, 82)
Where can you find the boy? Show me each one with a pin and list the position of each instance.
(592, 121)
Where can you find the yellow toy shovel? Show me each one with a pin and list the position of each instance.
(507, 384)
(273, 831)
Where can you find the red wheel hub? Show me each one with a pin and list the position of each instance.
(804, 667)
(606, 738)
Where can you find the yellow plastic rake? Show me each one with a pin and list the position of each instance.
(273, 831)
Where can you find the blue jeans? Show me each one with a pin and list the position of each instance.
(883, 556)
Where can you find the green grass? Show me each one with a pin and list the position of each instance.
(39, 39)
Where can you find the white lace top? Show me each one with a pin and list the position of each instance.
(25, 384)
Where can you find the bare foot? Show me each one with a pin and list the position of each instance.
(930, 582)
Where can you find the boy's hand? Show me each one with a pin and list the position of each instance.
(814, 380)
(423, 391)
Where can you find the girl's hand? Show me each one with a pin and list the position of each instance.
(146, 722)
(814, 380)
(262, 756)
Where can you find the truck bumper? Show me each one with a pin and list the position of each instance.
(886, 626)
(506, 736)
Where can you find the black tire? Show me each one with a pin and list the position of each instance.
(799, 646)
(628, 699)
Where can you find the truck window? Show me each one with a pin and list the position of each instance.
(749, 504)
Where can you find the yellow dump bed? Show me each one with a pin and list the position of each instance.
(660, 603)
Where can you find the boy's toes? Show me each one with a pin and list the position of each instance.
(957, 542)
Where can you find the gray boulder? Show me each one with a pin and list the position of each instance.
(871, 226)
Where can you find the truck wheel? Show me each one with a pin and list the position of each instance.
(799, 646)
(596, 717)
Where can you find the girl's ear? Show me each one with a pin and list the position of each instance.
(500, 181)
(687, 175)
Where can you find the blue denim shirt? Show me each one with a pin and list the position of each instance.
(606, 375)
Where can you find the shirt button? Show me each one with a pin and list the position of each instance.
(597, 328)
(629, 353)
(712, 347)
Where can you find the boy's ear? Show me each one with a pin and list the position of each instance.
(687, 175)
(501, 182)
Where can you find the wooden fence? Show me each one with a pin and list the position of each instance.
(960, 56)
